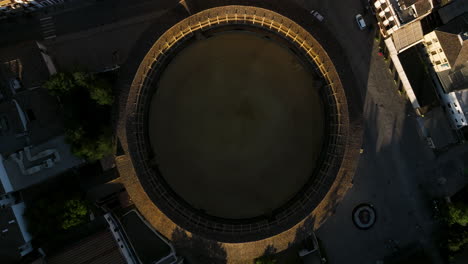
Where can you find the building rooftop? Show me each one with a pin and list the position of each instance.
(462, 97)
(406, 36)
(453, 10)
(35, 164)
(14, 237)
(100, 248)
(453, 38)
(25, 62)
(42, 117)
(11, 237)
(408, 10)
(422, 7)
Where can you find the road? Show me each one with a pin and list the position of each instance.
(391, 174)
(77, 16)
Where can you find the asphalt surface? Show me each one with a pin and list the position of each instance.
(76, 16)
(391, 173)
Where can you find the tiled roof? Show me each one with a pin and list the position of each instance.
(409, 2)
(423, 6)
(450, 44)
(463, 55)
(407, 35)
(100, 248)
(455, 47)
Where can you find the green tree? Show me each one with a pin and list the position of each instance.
(75, 212)
(100, 91)
(457, 239)
(83, 79)
(55, 213)
(86, 99)
(90, 148)
(458, 214)
(60, 84)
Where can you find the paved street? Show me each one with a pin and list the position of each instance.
(391, 174)
(77, 16)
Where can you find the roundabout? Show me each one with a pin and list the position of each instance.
(236, 130)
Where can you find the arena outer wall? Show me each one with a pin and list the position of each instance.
(309, 212)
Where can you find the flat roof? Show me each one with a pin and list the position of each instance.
(20, 181)
(44, 120)
(405, 11)
(12, 238)
(148, 246)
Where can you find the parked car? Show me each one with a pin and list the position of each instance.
(360, 21)
(317, 15)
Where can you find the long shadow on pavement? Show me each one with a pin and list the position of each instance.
(198, 250)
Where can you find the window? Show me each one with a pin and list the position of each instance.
(448, 104)
(437, 62)
(440, 50)
(428, 43)
(433, 52)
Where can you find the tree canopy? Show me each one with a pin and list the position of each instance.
(60, 84)
(86, 100)
(458, 214)
(56, 213)
(75, 212)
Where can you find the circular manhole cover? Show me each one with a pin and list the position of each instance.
(364, 216)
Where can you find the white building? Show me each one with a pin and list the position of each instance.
(395, 14)
(447, 51)
(7, 6)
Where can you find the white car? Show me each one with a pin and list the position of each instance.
(360, 21)
(317, 15)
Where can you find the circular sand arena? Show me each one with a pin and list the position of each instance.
(236, 130)
(236, 123)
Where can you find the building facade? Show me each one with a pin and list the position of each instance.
(446, 49)
(395, 14)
